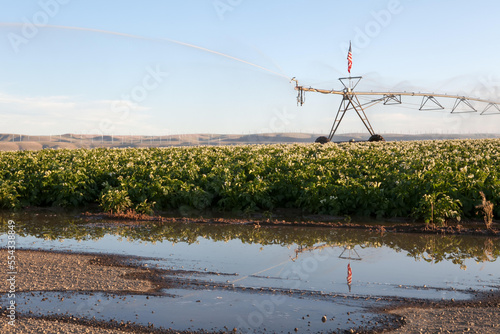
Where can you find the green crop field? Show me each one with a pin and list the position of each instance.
(427, 180)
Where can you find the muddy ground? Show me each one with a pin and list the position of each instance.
(396, 225)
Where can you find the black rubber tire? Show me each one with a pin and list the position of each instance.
(376, 138)
(322, 140)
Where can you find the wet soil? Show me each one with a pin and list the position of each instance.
(395, 225)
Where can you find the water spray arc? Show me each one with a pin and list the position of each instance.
(159, 39)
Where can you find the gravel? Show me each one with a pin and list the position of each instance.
(49, 271)
(31, 325)
(470, 317)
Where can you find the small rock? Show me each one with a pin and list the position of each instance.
(323, 318)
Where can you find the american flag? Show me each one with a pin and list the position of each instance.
(349, 275)
(349, 59)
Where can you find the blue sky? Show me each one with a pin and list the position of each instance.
(135, 80)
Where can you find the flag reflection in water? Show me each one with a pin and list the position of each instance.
(349, 276)
(351, 255)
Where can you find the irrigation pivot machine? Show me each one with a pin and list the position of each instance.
(351, 101)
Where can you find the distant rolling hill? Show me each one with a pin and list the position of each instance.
(10, 142)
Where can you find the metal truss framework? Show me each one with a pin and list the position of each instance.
(350, 101)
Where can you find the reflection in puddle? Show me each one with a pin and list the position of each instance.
(272, 278)
(349, 253)
(349, 276)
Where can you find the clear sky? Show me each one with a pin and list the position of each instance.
(116, 68)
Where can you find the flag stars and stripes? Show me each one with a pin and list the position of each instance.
(349, 59)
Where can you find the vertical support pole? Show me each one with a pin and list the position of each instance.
(350, 101)
(344, 106)
(361, 113)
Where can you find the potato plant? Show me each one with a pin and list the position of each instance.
(383, 179)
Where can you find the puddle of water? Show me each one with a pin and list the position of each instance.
(380, 272)
(209, 310)
(300, 260)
